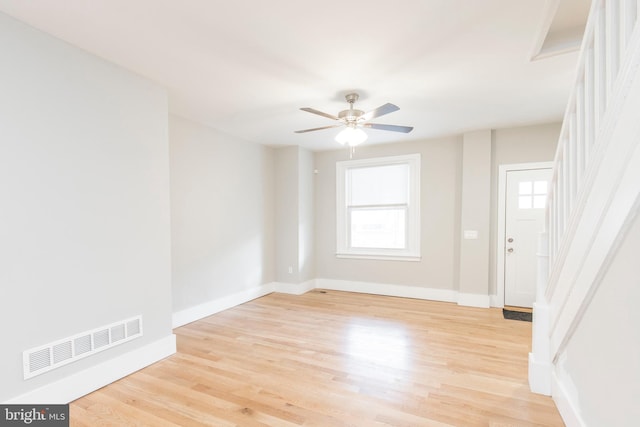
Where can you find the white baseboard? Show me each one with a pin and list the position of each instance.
(446, 295)
(200, 311)
(474, 300)
(217, 305)
(81, 383)
(294, 288)
(539, 376)
(565, 404)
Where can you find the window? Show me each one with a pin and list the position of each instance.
(532, 195)
(378, 208)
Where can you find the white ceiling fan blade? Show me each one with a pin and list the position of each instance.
(320, 113)
(323, 127)
(393, 128)
(380, 111)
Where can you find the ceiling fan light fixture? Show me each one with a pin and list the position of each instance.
(351, 136)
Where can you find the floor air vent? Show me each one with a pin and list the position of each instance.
(59, 353)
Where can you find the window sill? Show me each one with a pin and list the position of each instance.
(381, 257)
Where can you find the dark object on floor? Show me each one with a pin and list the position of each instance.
(517, 315)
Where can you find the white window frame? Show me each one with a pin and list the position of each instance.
(412, 251)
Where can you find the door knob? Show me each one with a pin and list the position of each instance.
(510, 240)
(510, 250)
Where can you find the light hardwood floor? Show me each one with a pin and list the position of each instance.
(331, 358)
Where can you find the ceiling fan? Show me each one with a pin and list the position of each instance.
(355, 120)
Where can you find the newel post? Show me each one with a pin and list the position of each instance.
(540, 356)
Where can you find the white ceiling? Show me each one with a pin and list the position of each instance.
(245, 67)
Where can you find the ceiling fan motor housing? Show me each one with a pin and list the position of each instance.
(350, 115)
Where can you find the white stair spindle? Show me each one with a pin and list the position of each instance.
(589, 100)
(599, 70)
(580, 134)
(573, 159)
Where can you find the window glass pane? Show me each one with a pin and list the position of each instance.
(539, 202)
(379, 185)
(525, 188)
(524, 202)
(378, 228)
(540, 187)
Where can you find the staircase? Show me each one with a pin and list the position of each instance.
(594, 198)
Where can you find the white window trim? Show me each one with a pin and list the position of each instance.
(412, 253)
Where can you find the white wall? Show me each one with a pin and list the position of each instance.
(286, 212)
(294, 210)
(474, 217)
(600, 367)
(440, 218)
(535, 143)
(306, 215)
(524, 144)
(222, 214)
(84, 202)
(441, 211)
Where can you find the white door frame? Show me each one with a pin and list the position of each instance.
(502, 206)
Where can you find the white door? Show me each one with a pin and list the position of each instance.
(526, 200)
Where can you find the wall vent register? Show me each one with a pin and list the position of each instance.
(39, 360)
